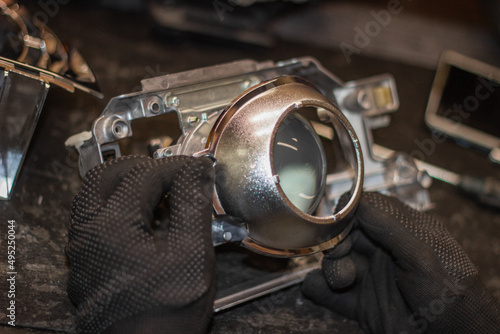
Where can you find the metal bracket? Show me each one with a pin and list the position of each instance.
(198, 98)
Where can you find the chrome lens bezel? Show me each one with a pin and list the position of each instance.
(276, 227)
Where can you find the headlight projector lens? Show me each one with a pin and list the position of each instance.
(271, 167)
(299, 162)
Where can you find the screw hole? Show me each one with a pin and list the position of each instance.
(155, 107)
(120, 128)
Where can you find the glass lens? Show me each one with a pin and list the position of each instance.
(299, 161)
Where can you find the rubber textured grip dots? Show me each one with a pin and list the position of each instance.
(120, 268)
(421, 226)
(411, 276)
(339, 269)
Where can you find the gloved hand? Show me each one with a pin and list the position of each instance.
(400, 271)
(128, 275)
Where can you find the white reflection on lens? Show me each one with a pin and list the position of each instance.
(299, 161)
(288, 145)
(299, 185)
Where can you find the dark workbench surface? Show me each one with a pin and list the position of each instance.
(122, 50)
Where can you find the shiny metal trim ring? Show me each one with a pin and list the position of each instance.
(246, 184)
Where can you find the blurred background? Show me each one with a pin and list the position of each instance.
(415, 32)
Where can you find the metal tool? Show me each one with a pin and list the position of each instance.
(262, 286)
(485, 190)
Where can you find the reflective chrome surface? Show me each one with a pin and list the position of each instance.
(21, 100)
(31, 59)
(199, 97)
(247, 184)
(32, 43)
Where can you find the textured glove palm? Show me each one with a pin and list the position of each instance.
(127, 276)
(400, 271)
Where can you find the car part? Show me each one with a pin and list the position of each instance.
(262, 145)
(486, 190)
(463, 102)
(234, 111)
(31, 58)
(199, 97)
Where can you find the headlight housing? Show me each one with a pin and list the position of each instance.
(255, 119)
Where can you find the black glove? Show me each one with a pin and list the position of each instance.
(400, 271)
(128, 275)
